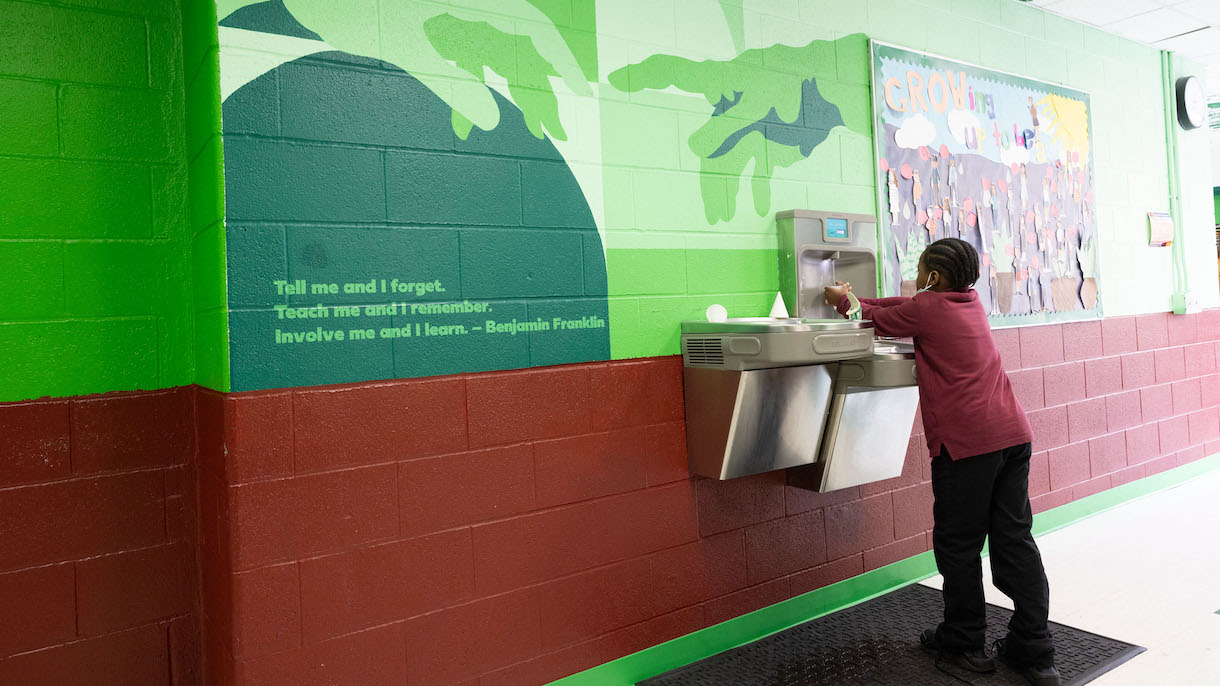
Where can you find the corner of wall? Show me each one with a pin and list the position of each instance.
(206, 194)
(1196, 219)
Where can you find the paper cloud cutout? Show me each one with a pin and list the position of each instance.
(916, 131)
(1015, 154)
(959, 122)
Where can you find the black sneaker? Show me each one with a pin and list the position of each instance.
(976, 660)
(1038, 675)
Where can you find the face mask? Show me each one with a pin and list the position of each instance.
(925, 288)
(853, 308)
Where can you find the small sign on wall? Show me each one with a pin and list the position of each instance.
(1160, 229)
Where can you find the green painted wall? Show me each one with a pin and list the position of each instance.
(686, 123)
(653, 213)
(1198, 246)
(205, 207)
(652, 195)
(343, 169)
(115, 240)
(94, 238)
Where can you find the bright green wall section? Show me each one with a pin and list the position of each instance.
(689, 123)
(653, 289)
(96, 255)
(205, 209)
(655, 191)
(93, 207)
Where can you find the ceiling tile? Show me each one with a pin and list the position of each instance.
(1156, 25)
(1195, 45)
(1206, 10)
(1102, 12)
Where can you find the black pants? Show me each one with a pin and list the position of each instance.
(976, 497)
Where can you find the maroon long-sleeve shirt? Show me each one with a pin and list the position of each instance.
(967, 402)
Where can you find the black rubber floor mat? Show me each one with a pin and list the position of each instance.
(877, 643)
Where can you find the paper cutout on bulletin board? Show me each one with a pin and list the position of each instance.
(1001, 161)
(1067, 120)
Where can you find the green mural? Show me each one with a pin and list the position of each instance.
(446, 46)
(567, 183)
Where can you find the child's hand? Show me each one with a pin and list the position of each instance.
(835, 293)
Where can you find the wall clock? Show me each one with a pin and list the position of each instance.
(1192, 106)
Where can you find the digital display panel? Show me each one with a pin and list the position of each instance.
(836, 229)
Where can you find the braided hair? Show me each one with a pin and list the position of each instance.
(956, 260)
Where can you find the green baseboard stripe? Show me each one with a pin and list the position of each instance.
(684, 650)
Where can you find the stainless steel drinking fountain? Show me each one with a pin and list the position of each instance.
(868, 423)
(816, 249)
(758, 390)
(813, 393)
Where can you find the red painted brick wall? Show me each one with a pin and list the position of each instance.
(504, 528)
(98, 581)
(512, 528)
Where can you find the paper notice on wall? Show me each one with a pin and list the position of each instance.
(1160, 229)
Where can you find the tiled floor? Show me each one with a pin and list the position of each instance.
(1147, 572)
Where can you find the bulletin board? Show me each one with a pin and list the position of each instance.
(1001, 161)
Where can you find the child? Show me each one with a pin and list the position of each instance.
(980, 440)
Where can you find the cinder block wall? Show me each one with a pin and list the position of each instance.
(92, 212)
(515, 527)
(341, 167)
(500, 528)
(208, 308)
(97, 530)
(98, 578)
